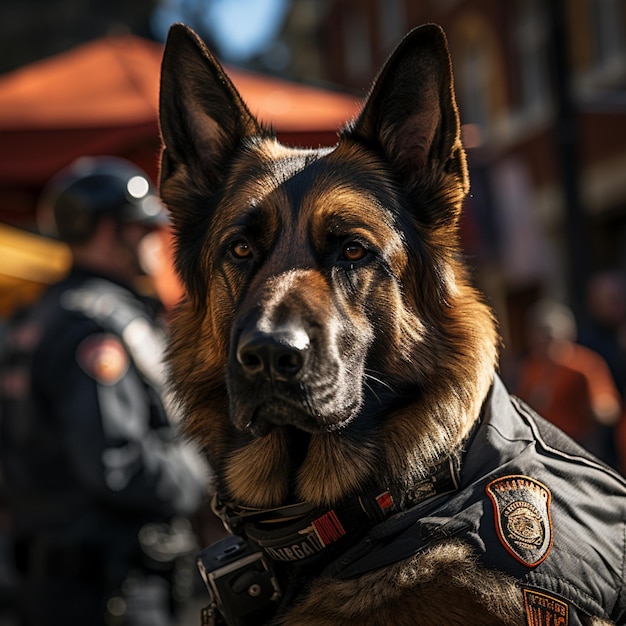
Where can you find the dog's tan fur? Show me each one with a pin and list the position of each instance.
(404, 324)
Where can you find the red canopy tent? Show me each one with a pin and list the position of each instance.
(102, 98)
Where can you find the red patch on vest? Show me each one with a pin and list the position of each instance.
(522, 514)
(103, 358)
(545, 610)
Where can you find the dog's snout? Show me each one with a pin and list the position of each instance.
(278, 355)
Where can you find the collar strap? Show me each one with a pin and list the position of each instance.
(304, 535)
(319, 533)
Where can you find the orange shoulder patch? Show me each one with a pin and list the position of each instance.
(543, 609)
(103, 358)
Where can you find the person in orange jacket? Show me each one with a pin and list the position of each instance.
(567, 383)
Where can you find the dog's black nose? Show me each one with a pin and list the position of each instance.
(278, 355)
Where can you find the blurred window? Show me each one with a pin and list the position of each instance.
(608, 25)
(478, 72)
(530, 39)
(358, 54)
(393, 23)
(474, 78)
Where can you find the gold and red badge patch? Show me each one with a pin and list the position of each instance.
(522, 514)
(543, 609)
(104, 358)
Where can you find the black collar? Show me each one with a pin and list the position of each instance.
(307, 536)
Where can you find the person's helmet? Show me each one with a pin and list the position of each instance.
(91, 187)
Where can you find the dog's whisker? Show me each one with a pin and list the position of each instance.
(380, 381)
(307, 401)
(369, 388)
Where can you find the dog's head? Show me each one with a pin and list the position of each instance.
(326, 305)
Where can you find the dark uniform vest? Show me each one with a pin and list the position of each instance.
(532, 504)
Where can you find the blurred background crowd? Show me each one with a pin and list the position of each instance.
(541, 87)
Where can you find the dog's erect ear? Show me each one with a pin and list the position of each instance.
(411, 111)
(202, 115)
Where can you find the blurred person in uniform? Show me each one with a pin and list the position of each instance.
(99, 484)
(605, 332)
(567, 383)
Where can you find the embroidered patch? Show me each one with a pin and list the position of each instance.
(522, 513)
(545, 610)
(104, 358)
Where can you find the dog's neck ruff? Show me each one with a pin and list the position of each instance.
(308, 536)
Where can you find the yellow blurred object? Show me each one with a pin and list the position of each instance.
(28, 263)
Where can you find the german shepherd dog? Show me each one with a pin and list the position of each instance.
(338, 368)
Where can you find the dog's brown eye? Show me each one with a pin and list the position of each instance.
(241, 250)
(353, 251)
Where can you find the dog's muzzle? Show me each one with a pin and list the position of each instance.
(290, 374)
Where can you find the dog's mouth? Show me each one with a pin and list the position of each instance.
(259, 418)
(264, 420)
(314, 404)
